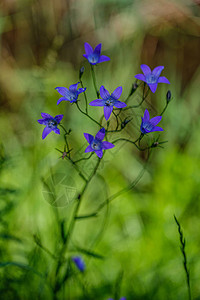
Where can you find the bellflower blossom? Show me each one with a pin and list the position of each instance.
(94, 56)
(152, 78)
(109, 100)
(70, 94)
(149, 125)
(50, 123)
(96, 144)
(80, 264)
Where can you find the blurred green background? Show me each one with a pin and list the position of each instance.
(41, 47)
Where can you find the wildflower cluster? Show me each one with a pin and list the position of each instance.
(112, 121)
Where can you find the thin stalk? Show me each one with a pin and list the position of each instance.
(86, 114)
(132, 142)
(58, 285)
(94, 80)
(85, 158)
(164, 110)
(182, 241)
(85, 96)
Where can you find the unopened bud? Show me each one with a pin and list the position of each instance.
(168, 96)
(124, 123)
(81, 71)
(134, 88)
(155, 144)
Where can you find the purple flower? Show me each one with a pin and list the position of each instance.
(96, 144)
(79, 263)
(148, 125)
(70, 94)
(50, 123)
(152, 78)
(94, 57)
(109, 100)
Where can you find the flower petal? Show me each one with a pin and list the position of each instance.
(99, 153)
(154, 121)
(120, 104)
(103, 58)
(107, 145)
(107, 112)
(88, 49)
(89, 137)
(104, 93)
(117, 93)
(56, 130)
(63, 91)
(73, 87)
(58, 118)
(163, 79)
(153, 87)
(45, 116)
(145, 69)
(81, 90)
(42, 121)
(89, 149)
(157, 128)
(45, 132)
(157, 71)
(62, 99)
(97, 102)
(100, 134)
(146, 116)
(140, 77)
(79, 263)
(97, 50)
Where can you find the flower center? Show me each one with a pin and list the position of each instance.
(151, 79)
(109, 102)
(93, 58)
(147, 126)
(52, 123)
(96, 145)
(73, 96)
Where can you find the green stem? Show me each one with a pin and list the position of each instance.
(77, 168)
(85, 158)
(58, 285)
(116, 116)
(182, 241)
(86, 114)
(164, 110)
(65, 137)
(94, 80)
(126, 189)
(85, 96)
(132, 142)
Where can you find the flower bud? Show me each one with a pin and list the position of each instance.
(81, 71)
(124, 123)
(134, 88)
(168, 96)
(79, 262)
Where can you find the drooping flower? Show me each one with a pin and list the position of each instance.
(80, 264)
(152, 78)
(96, 143)
(149, 125)
(109, 100)
(50, 123)
(94, 56)
(70, 94)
